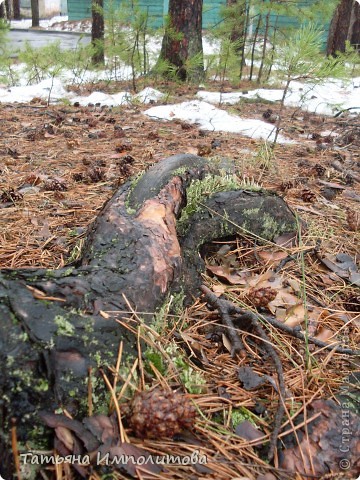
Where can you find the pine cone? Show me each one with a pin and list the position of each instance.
(10, 196)
(285, 186)
(315, 136)
(267, 114)
(352, 303)
(96, 174)
(55, 185)
(203, 150)
(308, 196)
(319, 170)
(353, 220)
(160, 413)
(186, 126)
(260, 297)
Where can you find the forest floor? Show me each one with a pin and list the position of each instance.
(60, 163)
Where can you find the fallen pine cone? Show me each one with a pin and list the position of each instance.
(353, 220)
(352, 303)
(285, 186)
(160, 413)
(262, 296)
(308, 196)
(319, 170)
(203, 150)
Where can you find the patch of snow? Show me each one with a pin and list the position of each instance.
(25, 23)
(101, 98)
(54, 89)
(208, 117)
(233, 97)
(211, 46)
(149, 95)
(145, 96)
(23, 94)
(325, 99)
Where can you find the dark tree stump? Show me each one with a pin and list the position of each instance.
(52, 322)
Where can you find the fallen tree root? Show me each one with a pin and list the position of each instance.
(56, 324)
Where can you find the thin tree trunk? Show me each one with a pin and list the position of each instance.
(35, 15)
(8, 8)
(97, 32)
(264, 47)
(182, 41)
(354, 26)
(272, 54)
(254, 47)
(239, 17)
(245, 33)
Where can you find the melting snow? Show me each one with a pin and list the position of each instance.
(324, 99)
(209, 117)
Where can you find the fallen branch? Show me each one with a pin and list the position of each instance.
(225, 309)
(293, 331)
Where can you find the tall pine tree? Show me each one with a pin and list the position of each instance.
(344, 27)
(97, 32)
(182, 42)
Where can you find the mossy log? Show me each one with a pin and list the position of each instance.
(53, 326)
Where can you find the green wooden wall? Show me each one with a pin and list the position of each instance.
(79, 9)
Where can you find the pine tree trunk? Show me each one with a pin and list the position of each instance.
(345, 26)
(182, 41)
(8, 8)
(354, 26)
(97, 32)
(16, 9)
(35, 15)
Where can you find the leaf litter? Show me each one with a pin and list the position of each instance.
(61, 163)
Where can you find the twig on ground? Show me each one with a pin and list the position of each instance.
(289, 258)
(225, 309)
(293, 331)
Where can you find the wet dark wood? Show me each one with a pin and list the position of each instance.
(55, 324)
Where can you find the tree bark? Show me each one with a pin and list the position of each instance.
(8, 7)
(3, 10)
(182, 42)
(56, 324)
(35, 15)
(97, 32)
(16, 9)
(344, 26)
